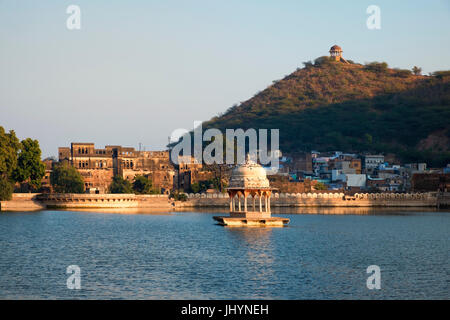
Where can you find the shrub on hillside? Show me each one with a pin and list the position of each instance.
(323, 61)
(402, 73)
(376, 66)
(441, 74)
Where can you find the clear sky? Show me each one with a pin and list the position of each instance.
(137, 70)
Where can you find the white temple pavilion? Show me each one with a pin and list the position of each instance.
(249, 193)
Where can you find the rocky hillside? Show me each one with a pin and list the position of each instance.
(330, 105)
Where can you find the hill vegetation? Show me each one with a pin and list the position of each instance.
(371, 108)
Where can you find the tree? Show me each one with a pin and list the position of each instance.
(29, 164)
(9, 147)
(6, 189)
(66, 179)
(143, 185)
(178, 196)
(196, 188)
(320, 186)
(120, 185)
(368, 138)
(417, 71)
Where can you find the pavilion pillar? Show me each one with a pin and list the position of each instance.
(260, 202)
(268, 201)
(254, 202)
(246, 194)
(239, 202)
(231, 203)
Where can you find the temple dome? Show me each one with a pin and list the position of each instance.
(249, 175)
(336, 48)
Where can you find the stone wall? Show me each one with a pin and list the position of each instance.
(75, 200)
(323, 200)
(154, 201)
(443, 200)
(22, 202)
(97, 178)
(31, 202)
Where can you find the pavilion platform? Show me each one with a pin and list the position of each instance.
(251, 219)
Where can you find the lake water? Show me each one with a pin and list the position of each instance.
(185, 255)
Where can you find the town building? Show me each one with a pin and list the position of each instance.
(190, 171)
(371, 163)
(99, 166)
(430, 182)
(284, 183)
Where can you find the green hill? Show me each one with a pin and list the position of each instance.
(330, 105)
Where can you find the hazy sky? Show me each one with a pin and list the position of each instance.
(137, 70)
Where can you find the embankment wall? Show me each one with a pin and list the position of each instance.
(31, 202)
(323, 200)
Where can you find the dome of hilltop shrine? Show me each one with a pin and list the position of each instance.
(336, 48)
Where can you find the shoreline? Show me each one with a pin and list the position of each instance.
(36, 201)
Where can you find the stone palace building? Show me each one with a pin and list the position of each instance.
(99, 166)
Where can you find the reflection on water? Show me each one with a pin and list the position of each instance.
(322, 254)
(258, 247)
(350, 210)
(329, 210)
(276, 210)
(157, 211)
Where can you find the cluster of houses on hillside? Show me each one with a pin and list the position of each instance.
(356, 173)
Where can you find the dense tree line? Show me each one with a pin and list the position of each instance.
(20, 162)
